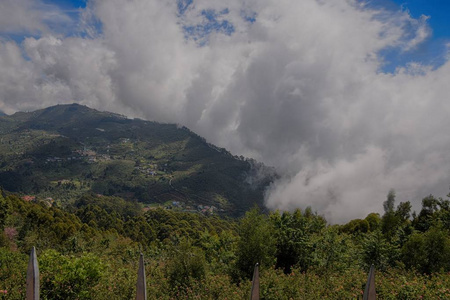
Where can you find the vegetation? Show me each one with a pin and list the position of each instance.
(65, 151)
(90, 250)
(92, 190)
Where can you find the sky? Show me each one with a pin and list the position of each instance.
(346, 98)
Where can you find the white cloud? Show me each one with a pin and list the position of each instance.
(422, 32)
(30, 17)
(300, 88)
(448, 51)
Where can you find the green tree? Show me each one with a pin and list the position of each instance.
(428, 252)
(294, 242)
(256, 243)
(374, 221)
(426, 217)
(389, 219)
(186, 265)
(403, 212)
(379, 251)
(4, 210)
(65, 277)
(414, 252)
(356, 226)
(333, 250)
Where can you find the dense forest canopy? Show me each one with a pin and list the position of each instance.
(90, 250)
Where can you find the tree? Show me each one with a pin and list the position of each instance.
(388, 205)
(428, 252)
(187, 264)
(377, 250)
(333, 250)
(256, 243)
(356, 226)
(4, 210)
(374, 221)
(426, 217)
(294, 238)
(66, 277)
(403, 212)
(389, 221)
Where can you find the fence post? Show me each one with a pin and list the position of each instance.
(33, 277)
(141, 287)
(254, 295)
(369, 291)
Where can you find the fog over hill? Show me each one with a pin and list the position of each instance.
(296, 84)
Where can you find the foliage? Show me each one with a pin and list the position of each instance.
(13, 266)
(65, 277)
(4, 209)
(186, 264)
(294, 238)
(428, 252)
(389, 221)
(256, 243)
(97, 189)
(90, 251)
(67, 151)
(331, 251)
(374, 221)
(378, 251)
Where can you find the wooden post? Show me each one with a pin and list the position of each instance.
(369, 291)
(33, 277)
(141, 287)
(255, 284)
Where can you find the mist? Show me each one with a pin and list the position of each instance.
(298, 85)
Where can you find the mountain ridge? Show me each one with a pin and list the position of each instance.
(63, 151)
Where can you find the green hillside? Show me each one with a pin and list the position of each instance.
(65, 151)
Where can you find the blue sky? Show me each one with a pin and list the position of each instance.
(432, 52)
(68, 3)
(438, 10)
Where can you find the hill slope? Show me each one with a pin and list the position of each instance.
(64, 151)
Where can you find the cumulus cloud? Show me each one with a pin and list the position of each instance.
(296, 84)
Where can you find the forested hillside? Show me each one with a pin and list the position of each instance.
(90, 250)
(62, 152)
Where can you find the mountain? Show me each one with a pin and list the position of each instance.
(65, 151)
(2, 113)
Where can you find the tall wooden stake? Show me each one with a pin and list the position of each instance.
(369, 291)
(141, 287)
(33, 277)
(255, 284)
